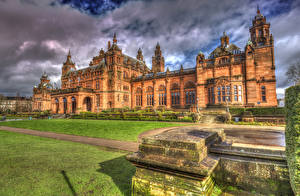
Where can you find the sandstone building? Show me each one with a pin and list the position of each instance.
(228, 76)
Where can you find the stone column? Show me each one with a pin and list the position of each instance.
(61, 105)
(182, 92)
(155, 95)
(144, 98)
(168, 93)
(132, 97)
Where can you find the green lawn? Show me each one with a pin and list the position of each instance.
(36, 166)
(110, 129)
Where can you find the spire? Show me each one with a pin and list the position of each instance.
(157, 45)
(69, 57)
(168, 71)
(258, 11)
(115, 38)
(181, 68)
(139, 55)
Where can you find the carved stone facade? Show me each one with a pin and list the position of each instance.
(228, 76)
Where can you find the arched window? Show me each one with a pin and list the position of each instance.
(65, 105)
(175, 94)
(190, 93)
(263, 94)
(57, 105)
(139, 96)
(125, 75)
(87, 102)
(73, 105)
(150, 97)
(162, 95)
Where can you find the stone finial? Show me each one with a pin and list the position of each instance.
(168, 71)
(181, 68)
(108, 45)
(115, 38)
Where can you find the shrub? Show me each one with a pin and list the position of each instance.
(292, 135)
(259, 111)
(236, 111)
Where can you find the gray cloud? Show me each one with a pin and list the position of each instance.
(35, 36)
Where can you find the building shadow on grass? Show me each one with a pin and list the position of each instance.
(121, 172)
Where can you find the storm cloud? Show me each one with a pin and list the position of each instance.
(35, 36)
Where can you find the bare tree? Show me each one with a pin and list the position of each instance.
(293, 73)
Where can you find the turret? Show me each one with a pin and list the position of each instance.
(260, 30)
(158, 61)
(68, 65)
(224, 40)
(139, 55)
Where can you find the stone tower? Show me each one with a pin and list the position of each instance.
(158, 61)
(260, 65)
(224, 40)
(260, 31)
(68, 65)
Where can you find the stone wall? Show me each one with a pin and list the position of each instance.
(254, 175)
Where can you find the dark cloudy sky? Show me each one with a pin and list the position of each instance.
(35, 35)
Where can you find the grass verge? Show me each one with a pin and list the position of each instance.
(109, 129)
(36, 166)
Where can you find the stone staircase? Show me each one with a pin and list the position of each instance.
(59, 116)
(213, 115)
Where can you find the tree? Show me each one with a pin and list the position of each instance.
(293, 73)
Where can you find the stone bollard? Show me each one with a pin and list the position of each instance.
(176, 162)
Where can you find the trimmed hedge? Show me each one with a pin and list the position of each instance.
(292, 135)
(266, 111)
(139, 115)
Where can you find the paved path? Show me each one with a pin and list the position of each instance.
(238, 135)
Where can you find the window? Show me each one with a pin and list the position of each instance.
(211, 95)
(223, 94)
(263, 94)
(150, 96)
(190, 97)
(240, 93)
(219, 94)
(125, 88)
(162, 95)
(175, 94)
(228, 93)
(190, 93)
(125, 98)
(97, 84)
(235, 93)
(139, 97)
(125, 75)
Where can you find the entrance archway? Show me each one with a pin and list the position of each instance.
(56, 106)
(88, 103)
(73, 105)
(65, 105)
